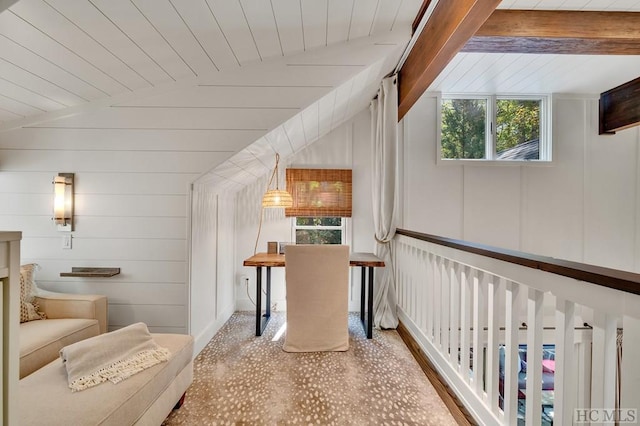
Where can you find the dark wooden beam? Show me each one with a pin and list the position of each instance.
(620, 107)
(418, 18)
(558, 31)
(450, 26)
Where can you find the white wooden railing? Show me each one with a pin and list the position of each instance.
(455, 296)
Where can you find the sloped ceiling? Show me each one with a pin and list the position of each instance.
(247, 78)
(277, 74)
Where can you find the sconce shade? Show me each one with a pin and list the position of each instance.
(63, 201)
(277, 198)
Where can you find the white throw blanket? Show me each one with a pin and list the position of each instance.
(113, 356)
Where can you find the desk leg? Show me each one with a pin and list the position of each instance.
(268, 307)
(370, 305)
(366, 294)
(362, 293)
(262, 320)
(258, 301)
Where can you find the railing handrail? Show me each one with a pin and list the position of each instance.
(607, 277)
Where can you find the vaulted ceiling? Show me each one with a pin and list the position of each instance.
(56, 54)
(252, 76)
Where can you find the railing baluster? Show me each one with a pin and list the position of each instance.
(455, 314)
(446, 300)
(397, 272)
(422, 274)
(630, 371)
(603, 362)
(411, 284)
(534, 357)
(430, 299)
(493, 328)
(417, 282)
(466, 298)
(582, 372)
(564, 380)
(437, 302)
(479, 320)
(512, 359)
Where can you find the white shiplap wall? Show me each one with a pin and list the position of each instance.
(348, 146)
(211, 266)
(135, 157)
(131, 212)
(583, 207)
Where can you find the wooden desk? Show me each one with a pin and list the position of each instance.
(364, 260)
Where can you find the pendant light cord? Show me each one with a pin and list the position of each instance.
(255, 248)
(275, 173)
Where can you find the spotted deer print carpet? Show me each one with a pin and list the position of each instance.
(241, 379)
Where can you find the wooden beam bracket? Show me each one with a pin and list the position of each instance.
(620, 107)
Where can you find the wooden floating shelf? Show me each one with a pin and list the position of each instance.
(89, 272)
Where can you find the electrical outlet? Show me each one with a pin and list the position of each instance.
(66, 242)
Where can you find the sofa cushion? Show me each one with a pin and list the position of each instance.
(41, 341)
(45, 395)
(29, 310)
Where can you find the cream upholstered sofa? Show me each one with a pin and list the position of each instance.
(49, 321)
(146, 398)
(69, 319)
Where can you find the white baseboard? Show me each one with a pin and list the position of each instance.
(207, 334)
(474, 405)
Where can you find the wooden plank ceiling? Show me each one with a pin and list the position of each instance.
(56, 54)
(239, 79)
(277, 75)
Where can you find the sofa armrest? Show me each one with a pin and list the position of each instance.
(65, 305)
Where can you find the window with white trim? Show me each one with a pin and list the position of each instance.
(319, 230)
(499, 128)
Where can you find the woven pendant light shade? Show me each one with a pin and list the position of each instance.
(277, 198)
(273, 198)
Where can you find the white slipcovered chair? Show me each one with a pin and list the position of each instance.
(317, 283)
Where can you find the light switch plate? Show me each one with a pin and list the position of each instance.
(66, 242)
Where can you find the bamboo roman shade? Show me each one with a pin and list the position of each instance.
(319, 192)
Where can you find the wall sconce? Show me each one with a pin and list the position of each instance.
(63, 201)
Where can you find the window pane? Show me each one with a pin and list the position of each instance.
(464, 128)
(318, 221)
(318, 236)
(517, 129)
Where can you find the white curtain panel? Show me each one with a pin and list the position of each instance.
(384, 135)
